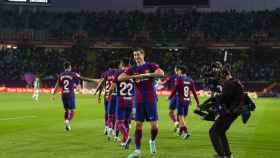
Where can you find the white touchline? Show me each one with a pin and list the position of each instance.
(17, 118)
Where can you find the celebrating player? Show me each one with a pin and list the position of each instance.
(106, 82)
(125, 93)
(144, 75)
(67, 81)
(173, 101)
(182, 89)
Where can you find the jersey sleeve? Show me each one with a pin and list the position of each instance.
(129, 71)
(58, 81)
(154, 67)
(174, 90)
(167, 79)
(193, 89)
(77, 76)
(115, 80)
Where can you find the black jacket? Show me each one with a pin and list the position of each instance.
(232, 97)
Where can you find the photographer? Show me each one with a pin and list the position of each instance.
(230, 104)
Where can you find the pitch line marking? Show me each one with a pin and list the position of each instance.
(17, 118)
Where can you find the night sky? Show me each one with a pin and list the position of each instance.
(137, 4)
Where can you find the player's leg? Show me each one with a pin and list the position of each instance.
(66, 119)
(111, 118)
(66, 105)
(152, 116)
(172, 113)
(182, 113)
(72, 107)
(123, 130)
(139, 118)
(154, 133)
(106, 116)
(70, 111)
(36, 94)
(127, 117)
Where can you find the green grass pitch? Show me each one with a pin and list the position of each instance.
(31, 129)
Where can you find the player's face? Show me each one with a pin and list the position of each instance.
(121, 66)
(175, 71)
(69, 68)
(138, 57)
(179, 72)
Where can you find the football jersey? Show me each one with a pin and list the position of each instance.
(109, 77)
(67, 80)
(124, 90)
(183, 86)
(145, 90)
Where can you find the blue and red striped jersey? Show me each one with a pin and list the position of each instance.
(145, 90)
(170, 79)
(183, 86)
(125, 91)
(109, 77)
(67, 80)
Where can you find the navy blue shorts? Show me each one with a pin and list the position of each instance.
(112, 105)
(146, 111)
(123, 113)
(183, 109)
(173, 103)
(69, 102)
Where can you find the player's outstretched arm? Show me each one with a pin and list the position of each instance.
(112, 88)
(156, 74)
(193, 89)
(100, 86)
(54, 90)
(125, 77)
(89, 79)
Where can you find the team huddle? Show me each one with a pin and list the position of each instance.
(130, 94)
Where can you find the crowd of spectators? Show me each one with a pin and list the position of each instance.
(247, 66)
(46, 63)
(162, 25)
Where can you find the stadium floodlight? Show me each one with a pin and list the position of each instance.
(39, 1)
(17, 0)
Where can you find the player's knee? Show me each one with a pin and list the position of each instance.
(154, 125)
(139, 126)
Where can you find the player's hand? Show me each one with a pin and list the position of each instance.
(99, 100)
(197, 108)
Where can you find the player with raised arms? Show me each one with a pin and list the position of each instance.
(144, 75)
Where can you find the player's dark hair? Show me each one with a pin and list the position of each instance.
(182, 68)
(225, 73)
(67, 65)
(139, 50)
